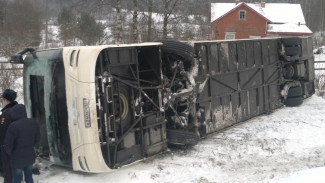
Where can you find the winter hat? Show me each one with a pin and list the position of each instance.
(10, 95)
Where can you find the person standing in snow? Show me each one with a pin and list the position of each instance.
(22, 136)
(8, 101)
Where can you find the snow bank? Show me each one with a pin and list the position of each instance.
(315, 175)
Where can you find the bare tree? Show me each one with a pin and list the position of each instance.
(9, 74)
(67, 23)
(169, 11)
(150, 7)
(135, 21)
(3, 13)
(19, 28)
(322, 16)
(46, 23)
(119, 22)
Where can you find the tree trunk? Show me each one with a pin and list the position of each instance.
(309, 12)
(3, 12)
(322, 15)
(170, 7)
(305, 10)
(165, 23)
(46, 24)
(119, 23)
(149, 19)
(135, 21)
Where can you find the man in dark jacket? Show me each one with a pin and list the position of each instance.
(8, 101)
(22, 136)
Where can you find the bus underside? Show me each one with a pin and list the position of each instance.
(131, 118)
(144, 97)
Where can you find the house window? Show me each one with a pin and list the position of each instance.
(242, 15)
(230, 35)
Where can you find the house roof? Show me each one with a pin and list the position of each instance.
(274, 12)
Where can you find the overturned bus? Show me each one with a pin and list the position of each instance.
(102, 107)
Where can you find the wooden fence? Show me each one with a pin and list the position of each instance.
(9, 69)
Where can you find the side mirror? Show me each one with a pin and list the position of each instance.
(17, 58)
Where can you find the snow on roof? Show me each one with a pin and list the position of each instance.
(275, 12)
(284, 13)
(288, 28)
(219, 9)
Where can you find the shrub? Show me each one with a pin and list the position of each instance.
(320, 84)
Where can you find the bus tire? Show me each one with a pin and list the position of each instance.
(122, 108)
(183, 50)
(293, 101)
(291, 41)
(292, 51)
(182, 137)
(295, 91)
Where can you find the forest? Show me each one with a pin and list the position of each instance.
(43, 24)
(35, 23)
(313, 9)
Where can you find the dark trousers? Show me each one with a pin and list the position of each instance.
(6, 165)
(18, 174)
(1, 168)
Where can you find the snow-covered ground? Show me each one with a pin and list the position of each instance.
(285, 146)
(314, 175)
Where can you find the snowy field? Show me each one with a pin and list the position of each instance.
(285, 146)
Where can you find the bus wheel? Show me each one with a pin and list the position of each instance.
(122, 109)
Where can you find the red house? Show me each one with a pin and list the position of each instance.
(248, 20)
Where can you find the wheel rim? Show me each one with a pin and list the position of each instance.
(121, 107)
